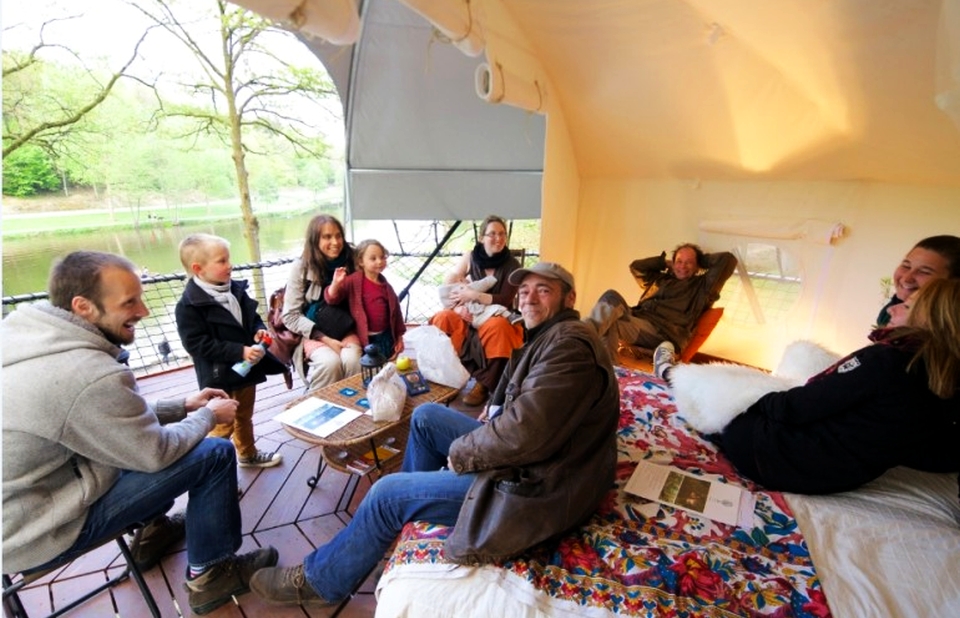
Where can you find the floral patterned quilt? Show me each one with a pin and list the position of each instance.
(668, 562)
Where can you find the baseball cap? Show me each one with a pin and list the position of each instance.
(550, 270)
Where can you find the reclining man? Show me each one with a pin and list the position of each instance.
(85, 456)
(539, 465)
(676, 292)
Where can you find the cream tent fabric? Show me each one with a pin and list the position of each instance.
(790, 89)
(655, 116)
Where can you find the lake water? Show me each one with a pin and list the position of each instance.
(26, 261)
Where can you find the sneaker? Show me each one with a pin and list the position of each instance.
(156, 539)
(664, 357)
(225, 580)
(286, 586)
(477, 395)
(260, 460)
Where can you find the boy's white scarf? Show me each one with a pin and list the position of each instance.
(221, 294)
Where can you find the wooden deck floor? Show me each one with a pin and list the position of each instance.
(278, 508)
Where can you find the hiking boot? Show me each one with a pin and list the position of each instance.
(225, 580)
(664, 357)
(156, 539)
(477, 395)
(260, 460)
(286, 586)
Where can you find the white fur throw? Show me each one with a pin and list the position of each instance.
(710, 396)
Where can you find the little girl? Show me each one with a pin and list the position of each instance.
(372, 301)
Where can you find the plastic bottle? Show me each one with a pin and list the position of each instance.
(244, 366)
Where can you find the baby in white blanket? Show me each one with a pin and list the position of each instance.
(474, 312)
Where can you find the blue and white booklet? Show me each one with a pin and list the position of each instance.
(317, 416)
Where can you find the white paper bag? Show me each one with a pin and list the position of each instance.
(387, 393)
(436, 358)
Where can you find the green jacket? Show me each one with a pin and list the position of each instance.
(673, 305)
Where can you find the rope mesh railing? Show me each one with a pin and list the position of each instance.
(157, 347)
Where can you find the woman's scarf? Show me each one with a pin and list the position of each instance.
(332, 265)
(482, 260)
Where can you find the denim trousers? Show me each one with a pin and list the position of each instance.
(423, 490)
(208, 473)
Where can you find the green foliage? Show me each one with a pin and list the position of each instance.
(28, 171)
(165, 135)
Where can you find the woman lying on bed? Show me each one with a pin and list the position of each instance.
(893, 403)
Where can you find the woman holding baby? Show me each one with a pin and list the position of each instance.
(484, 349)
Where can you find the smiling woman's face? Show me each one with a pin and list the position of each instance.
(331, 241)
(494, 238)
(918, 267)
(899, 313)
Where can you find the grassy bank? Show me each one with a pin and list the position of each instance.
(19, 225)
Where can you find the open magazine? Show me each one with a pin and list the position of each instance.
(317, 416)
(366, 463)
(722, 502)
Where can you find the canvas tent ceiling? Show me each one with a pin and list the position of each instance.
(828, 90)
(420, 143)
(784, 90)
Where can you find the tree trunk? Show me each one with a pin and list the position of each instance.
(251, 227)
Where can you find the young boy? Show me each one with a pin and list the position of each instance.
(219, 325)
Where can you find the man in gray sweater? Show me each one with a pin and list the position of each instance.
(85, 456)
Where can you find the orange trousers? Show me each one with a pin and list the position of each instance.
(497, 335)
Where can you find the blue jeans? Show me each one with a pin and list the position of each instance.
(421, 491)
(208, 472)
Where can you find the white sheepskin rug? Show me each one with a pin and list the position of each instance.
(710, 396)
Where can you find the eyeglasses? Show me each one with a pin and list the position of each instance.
(495, 235)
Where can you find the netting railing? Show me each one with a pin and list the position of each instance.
(157, 347)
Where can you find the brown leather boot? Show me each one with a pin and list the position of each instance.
(477, 395)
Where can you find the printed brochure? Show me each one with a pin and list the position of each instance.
(722, 502)
(317, 416)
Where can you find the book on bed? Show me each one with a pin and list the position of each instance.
(722, 502)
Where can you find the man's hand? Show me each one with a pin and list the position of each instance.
(195, 402)
(484, 416)
(224, 410)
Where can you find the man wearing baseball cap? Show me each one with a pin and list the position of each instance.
(538, 465)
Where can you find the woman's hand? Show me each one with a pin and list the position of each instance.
(464, 313)
(334, 344)
(464, 293)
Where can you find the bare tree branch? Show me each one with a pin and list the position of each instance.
(71, 117)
